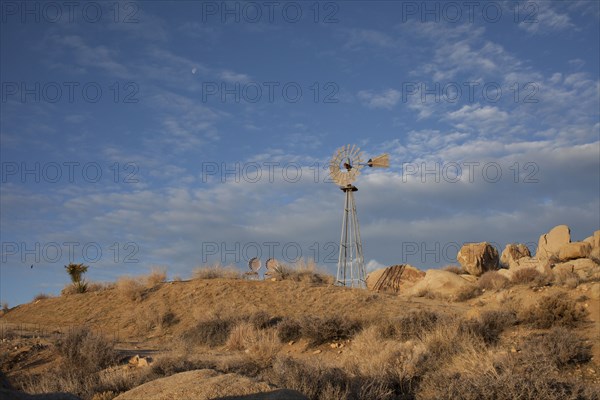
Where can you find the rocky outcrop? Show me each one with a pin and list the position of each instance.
(207, 384)
(391, 279)
(512, 253)
(585, 268)
(442, 283)
(477, 258)
(572, 251)
(550, 243)
(594, 241)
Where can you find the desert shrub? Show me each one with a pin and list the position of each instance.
(410, 326)
(155, 277)
(429, 294)
(41, 296)
(482, 378)
(559, 346)
(5, 307)
(86, 351)
(314, 381)
(455, 269)
(216, 272)
(262, 320)
(99, 286)
(289, 329)
(131, 288)
(492, 280)
(241, 335)
(566, 278)
(525, 275)
(530, 276)
(158, 317)
(173, 363)
(209, 332)
(445, 341)
(74, 288)
(554, 310)
(108, 395)
(490, 324)
(261, 348)
(389, 363)
(319, 330)
(467, 292)
(302, 271)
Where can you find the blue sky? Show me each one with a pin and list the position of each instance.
(179, 133)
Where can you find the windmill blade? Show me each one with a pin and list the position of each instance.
(381, 161)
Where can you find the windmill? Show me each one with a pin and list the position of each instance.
(344, 168)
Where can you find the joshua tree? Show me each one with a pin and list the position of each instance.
(75, 271)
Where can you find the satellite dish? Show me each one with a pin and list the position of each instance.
(272, 266)
(254, 264)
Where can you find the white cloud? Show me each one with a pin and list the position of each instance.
(542, 19)
(233, 77)
(373, 265)
(385, 99)
(364, 38)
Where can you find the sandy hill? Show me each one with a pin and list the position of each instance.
(530, 330)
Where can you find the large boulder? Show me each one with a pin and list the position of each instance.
(439, 282)
(594, 241)
(513, 252)
(571, 251)
(543, 267)
(585, 268)
(551, 242)
(207, 384)
(477, 258)
(409, 275)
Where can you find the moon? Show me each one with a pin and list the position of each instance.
(194, 71)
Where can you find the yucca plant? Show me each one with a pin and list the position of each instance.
(75, 271)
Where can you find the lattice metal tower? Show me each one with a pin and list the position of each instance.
(344, 168)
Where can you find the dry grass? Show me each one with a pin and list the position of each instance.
(485, 376)
(41, 296)
(100, 286)
(135, 287)
(262, 320)
(155, 277)
(410, 326)
(303, 271)
(530, 276)
(85, 350)
(131, 288)
(212, 331)
(568, 279)
(490, 325)
(313, 380)
(559, 346)
(159, 317)
(467, 292)
(289, 329)
(455, 269)
(554, 310)
(216, 272)
(317, 330)
(492, 280)
(74, 288)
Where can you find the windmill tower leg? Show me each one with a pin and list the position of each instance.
(351, 268)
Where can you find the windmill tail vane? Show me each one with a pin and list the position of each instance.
(381, 161)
